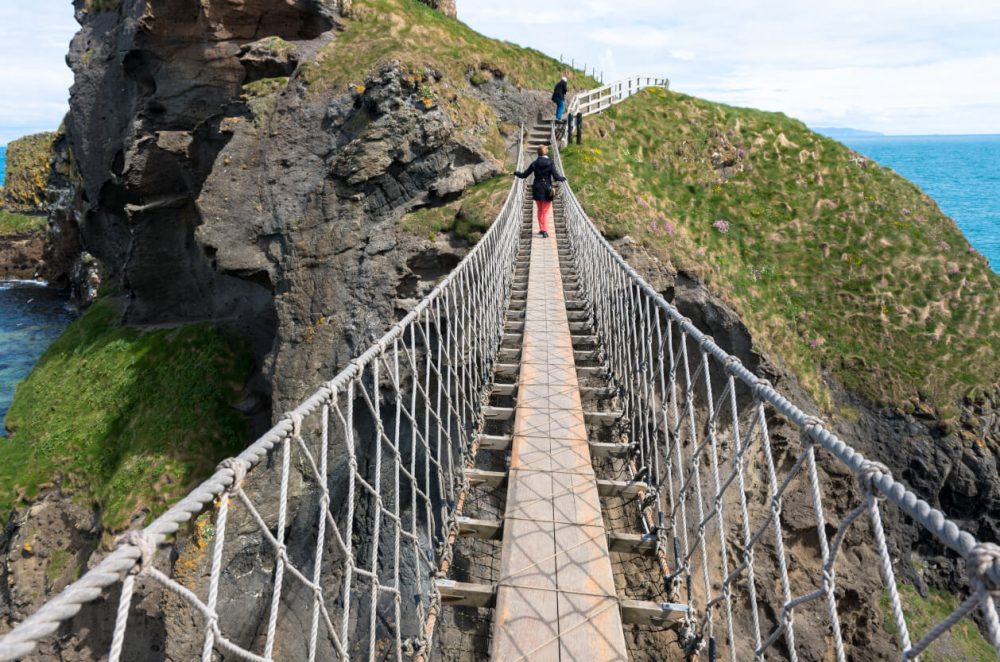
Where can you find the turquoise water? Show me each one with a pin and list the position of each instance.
(31, 317)
(3, 164)
(961, 173)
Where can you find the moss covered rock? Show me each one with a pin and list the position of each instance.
(29, 162)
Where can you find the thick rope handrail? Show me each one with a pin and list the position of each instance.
(430, 346)
(665, 412)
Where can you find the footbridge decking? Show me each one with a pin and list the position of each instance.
(556, 597)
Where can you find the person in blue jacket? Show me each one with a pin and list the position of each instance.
(559, 97)
(543, 192)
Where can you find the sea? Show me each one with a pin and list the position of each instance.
(32, 315)
(3, 164)
(961, 173)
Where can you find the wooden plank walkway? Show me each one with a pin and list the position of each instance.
(556, 595)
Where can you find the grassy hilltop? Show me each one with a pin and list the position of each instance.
(835, 264)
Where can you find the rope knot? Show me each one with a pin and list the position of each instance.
(760, 385)
(732, 363)
(983, 564)
(809, 425)
(704, 341)
(869, 472)
(146, 547)
(239, 467)
(296, 420)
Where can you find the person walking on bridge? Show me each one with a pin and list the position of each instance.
(559, 97)
(543, 191)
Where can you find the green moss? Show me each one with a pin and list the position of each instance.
(467, 218)
(420, 37)
(12, 224)
(836, 265)
(93, 6)
(123, 419)
(963, 643)
(29, 162)
(58, 561)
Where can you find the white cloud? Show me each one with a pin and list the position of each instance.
(33, 73)
(900, 66)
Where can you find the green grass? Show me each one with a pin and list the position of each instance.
(443, 61)
(420, 37)
(467, 218)
(12, 224)
(836, 265)
(124, 420)
(963, 643)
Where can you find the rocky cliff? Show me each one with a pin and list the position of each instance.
(247, 166)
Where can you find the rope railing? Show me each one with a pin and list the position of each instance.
(710, 442)
(345, 511)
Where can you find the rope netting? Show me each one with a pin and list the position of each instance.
(721, 453)
(324, 537)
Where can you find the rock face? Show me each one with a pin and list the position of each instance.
(446, 7)
(203, 180)
(215, 188)
(21, 254)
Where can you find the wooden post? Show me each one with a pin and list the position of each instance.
(579, 127)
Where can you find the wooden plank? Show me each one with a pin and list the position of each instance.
(623, 488)
(464, 594)
(608, 450)
(507, 369)
(592, 371)
(632, 543)
(500, 388)
(494, 442)
(481, 529)
(498, 413)
(486, 478)
(642, 612)
(605, 418)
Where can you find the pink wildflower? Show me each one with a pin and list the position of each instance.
(722, 225)
(816, 343)
(945, 245)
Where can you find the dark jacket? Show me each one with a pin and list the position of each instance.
(559, 94)
(545, 171)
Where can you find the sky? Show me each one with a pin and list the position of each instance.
(895, 66)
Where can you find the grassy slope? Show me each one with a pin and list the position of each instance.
(418, 37)
(963, 643)
(834, 263)
(127, 420)
(14, 224)
(424, 40)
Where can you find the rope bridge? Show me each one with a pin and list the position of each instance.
(325, 538)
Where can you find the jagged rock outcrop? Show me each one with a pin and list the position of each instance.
(202, 179)
(446, 7)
